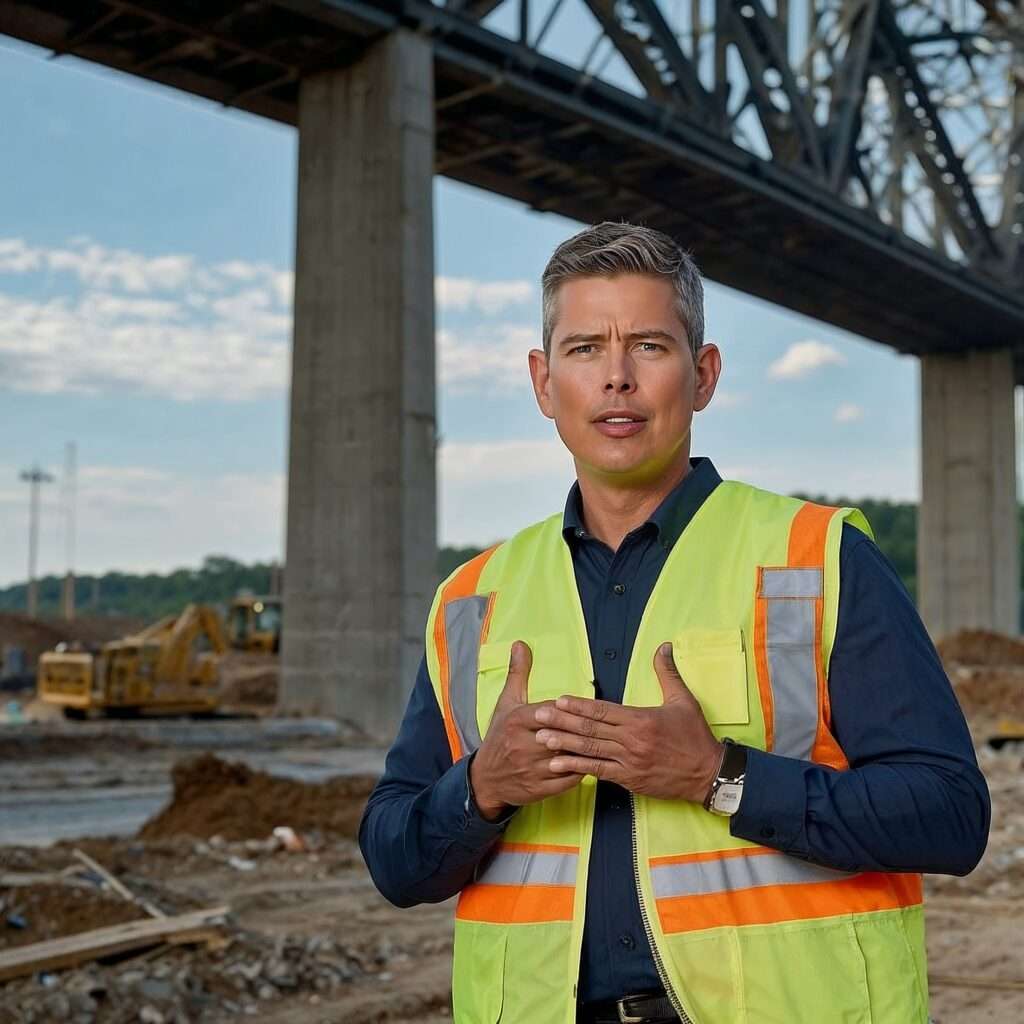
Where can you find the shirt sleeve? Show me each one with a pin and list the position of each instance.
(913, 798)
(421, 833)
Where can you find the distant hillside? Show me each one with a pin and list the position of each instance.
(152, 595)
(219, 578)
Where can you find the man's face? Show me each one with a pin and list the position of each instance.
(618, 347)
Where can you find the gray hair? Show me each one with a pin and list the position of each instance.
(607, 249)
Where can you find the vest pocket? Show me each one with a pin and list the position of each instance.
(714, 668)
(478, 980)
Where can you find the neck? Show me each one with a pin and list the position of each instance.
(610, 512)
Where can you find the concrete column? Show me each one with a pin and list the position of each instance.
(362, 531)
(968, 563)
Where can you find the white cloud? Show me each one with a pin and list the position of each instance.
(803, 358)
(848, 413)
(493, 359)
(728, 399)
(100, 267)
(489, 297)
(143, 518)
(490, 461)
(18, 258)
(162, 325)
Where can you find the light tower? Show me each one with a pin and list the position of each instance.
(69, 488)
(34, 477)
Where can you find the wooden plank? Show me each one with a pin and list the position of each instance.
(119, 887)
(76, 949)
(971, 981)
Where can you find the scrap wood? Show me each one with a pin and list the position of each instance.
(972, 981)
(71, 950)
(23, 879)
(119, 887)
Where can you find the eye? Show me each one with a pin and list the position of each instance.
(579, 348)
(651, 345)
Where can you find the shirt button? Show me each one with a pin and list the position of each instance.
(627, 940)
(619, 588)
(767, 832)
(609, 653)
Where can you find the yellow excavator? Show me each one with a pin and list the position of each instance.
(254, 623)
(171, 666)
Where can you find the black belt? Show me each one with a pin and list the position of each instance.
(653, 1008)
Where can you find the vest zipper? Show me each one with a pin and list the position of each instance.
(655, 953)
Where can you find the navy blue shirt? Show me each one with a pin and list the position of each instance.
(913, 799)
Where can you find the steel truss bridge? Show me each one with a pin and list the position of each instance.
(860, 161)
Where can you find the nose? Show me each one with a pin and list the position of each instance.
(621, 377)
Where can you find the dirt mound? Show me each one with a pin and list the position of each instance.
(990, 692)
(248, 680)
(980, 647)
(214, 797)
(54, 911)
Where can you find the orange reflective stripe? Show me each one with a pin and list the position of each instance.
(771, 904)
(695, 858)
(807, 539)
(462, 584)
(515, 904)
(764, 685)
(807, 535)
(538, 848)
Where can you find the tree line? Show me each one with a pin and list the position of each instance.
(152, 595)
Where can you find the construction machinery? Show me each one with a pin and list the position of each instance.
(254, 623)
(171, 666)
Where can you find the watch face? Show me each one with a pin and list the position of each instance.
(727, 799)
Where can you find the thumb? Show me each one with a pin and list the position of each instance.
(672, 685)
(515, 690)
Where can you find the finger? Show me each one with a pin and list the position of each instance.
(517, 680)
(672, 685)
(549, 715)
(588, 746)
(596, 766)
(560, 784)
(598, 710)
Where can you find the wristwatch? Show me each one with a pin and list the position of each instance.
(727, 789)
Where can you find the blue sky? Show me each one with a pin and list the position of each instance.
(146, 245)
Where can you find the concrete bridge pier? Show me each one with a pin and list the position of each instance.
(362, 532)
(968, 563)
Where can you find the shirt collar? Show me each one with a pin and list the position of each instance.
(670, 518)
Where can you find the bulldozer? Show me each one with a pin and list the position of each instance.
(169, 667)
(254, 623)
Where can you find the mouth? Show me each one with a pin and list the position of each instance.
(620, 424)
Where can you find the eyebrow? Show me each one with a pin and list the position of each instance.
(588, 339)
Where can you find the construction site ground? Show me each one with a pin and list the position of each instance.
(307, 938)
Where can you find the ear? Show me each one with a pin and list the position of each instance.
(541, 377)
(707, 371)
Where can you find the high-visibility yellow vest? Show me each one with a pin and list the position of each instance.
(741, 933)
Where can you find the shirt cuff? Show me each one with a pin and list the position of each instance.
(773, 808)
(456, 810)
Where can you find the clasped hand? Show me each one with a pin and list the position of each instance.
(533, 751)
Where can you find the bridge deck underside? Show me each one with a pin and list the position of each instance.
(518, 124)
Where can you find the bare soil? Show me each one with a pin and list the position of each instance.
(213, 797)
(309, 940)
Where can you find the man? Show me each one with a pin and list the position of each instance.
(684, 749)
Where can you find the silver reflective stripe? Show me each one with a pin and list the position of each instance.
(791, 583)
(789, 646)
(701, 878)
(512, 867)
(463, 623)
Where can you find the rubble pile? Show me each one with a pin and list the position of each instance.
(987, 673)
(50, 911)
(213, 797)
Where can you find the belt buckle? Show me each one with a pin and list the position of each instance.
(625, 1017)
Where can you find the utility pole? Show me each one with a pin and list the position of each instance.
(69, 488)
(34, 477)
